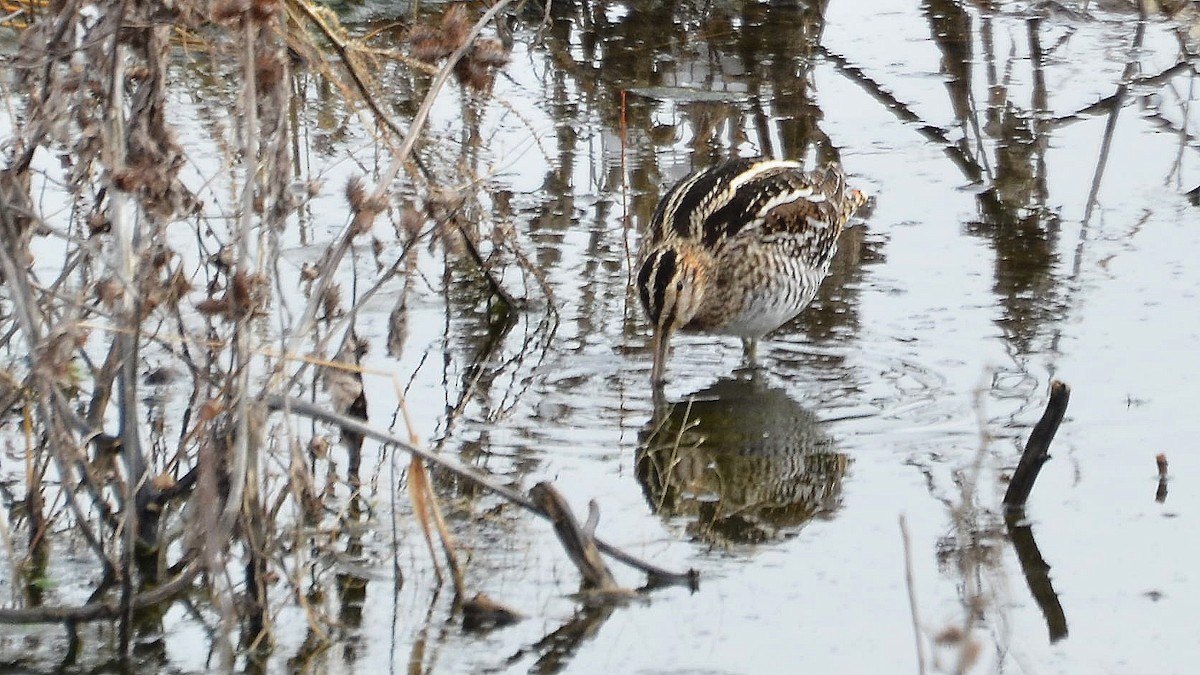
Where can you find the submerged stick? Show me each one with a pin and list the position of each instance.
(657, 575)
(1037, 449)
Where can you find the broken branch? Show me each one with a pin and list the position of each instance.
(1037, 450)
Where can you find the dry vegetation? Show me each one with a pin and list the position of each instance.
(129, 272)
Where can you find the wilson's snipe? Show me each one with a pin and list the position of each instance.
(739, 249)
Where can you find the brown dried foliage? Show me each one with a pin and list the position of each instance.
(476, 69)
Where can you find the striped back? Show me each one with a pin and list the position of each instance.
(719, 202)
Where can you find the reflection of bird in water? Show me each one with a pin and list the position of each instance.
(743, 460)
(740, 248)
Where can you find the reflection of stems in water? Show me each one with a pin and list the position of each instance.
(1160, 495)
(400, 156)
(1118, 102)
(418, 656)
(1106, 103)
(662, 416)
(970, 168)
(968, 165)
(762, 127)
(1041, 104)
(313, 411)
(360, 300)
(557, 647)
(510, 303)
(1037, 575)
(475, 370)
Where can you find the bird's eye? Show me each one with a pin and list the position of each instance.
(679, 286)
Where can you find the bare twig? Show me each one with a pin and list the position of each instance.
(1037, 450)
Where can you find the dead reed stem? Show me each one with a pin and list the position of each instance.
(910, 584)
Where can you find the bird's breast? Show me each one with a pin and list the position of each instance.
(753, 293)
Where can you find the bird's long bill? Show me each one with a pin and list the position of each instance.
(661, 344)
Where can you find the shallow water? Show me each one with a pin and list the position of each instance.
(939, 294)
(983, 270)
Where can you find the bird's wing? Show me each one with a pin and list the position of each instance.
(742, 195)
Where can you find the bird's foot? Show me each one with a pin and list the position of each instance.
(750, 367)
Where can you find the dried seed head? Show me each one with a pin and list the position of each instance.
(398, 326)
(473, 75)
(229, 10)
(318, 447)
(411, 222)
(950, 635)
(210, 409)
(178, 286)
(160, 257)
(431, 45)
(98, 223)
(455, 26)
(365, 207)
(426, 44)
(109, 292)
(343, 380)
(477, 68)
(361, 223)
(356, 193)
(263, 10)
(443, 203)
(224, 258)
(331, 301)
(211, 306)
(239, 297)
(490, 52)
(268, 71)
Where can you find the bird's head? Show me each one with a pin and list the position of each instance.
(671, 283)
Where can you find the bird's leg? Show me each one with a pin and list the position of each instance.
(750, 350)
(750, 355)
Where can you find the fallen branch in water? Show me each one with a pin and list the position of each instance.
(578, 541)
(1037, 449)
(658, 575)
(110, 609)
